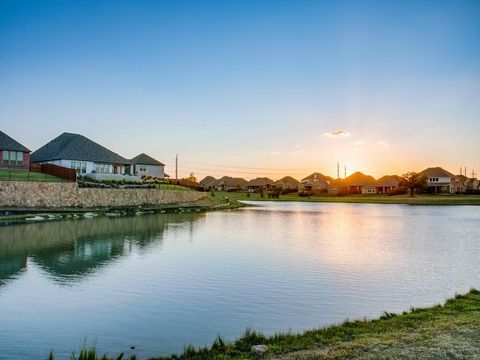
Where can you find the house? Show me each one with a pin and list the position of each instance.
(259, 184)
(337, 187)
(208, 182)
(438, 180)
(316, 182)
(472, 186)
(82, 154)
(459, 184)
(144, 165)
(13, 154)
(386, 184)
(359, 183)
(289, 183)
(228, 183)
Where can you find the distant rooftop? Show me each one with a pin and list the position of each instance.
(144, 159)
(436, 172)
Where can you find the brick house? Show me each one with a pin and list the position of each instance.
(13, 154)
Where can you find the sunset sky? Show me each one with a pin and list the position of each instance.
(249, 88)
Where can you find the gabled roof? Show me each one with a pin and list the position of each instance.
(316, 176)
(287, 181)
(208, 181)
(359, 179)
(7, 143)
(261, 181)
(144, 159)
(70, 146)
(388, 180)
(435, 172)
(231, 182)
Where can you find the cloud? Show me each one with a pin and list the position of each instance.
(337, 134)
(384, 143)
(359, 143)
(275, 152)
(297, 151)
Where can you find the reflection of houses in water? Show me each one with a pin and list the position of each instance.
(71, 249)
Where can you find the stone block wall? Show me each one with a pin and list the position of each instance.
(25, 194)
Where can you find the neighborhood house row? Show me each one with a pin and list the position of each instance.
(93, 160)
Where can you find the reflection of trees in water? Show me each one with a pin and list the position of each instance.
(71, 249)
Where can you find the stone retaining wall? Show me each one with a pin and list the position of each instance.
(25, 194)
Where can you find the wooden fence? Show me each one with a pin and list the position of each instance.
(55, 170)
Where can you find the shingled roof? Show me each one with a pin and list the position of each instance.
(228, 181)
(436, 172)
(261, 181)
(144, 159)
(70, 146)
(359, 179)
(388, 180)
(7, 143)
(316, 176)
(208, 181)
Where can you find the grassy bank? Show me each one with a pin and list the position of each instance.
(23, 175)
(451, 331)
(366, 199)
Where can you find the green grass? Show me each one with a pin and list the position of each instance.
(172, 187)
(23, 175)
(367, 199)
(451, 331)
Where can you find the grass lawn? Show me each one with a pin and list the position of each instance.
(369, 199)
(20, 175)
(451, 331)
(172, 187)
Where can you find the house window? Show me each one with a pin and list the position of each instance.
(19, 158)
(80, 167)
(102, 168)
(12, 158)
(5, 157)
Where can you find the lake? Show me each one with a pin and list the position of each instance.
(161, 281)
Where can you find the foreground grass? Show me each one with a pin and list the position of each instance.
(19, 175)
(366, 199)
(451, 331)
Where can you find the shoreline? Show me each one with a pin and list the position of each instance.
(12, 216)
(439, 200)
(447, 331)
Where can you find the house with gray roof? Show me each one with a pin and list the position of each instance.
(144, 165)
(13, 154)
(82, 154)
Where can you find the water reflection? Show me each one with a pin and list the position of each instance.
(72, 249)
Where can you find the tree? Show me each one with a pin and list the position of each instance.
(413, 181)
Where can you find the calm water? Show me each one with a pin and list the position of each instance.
(158, 282)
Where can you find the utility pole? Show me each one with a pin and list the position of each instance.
(465, 171)
(345, 172)
(473, 174)
(176, 167)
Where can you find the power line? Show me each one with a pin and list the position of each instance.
(243, 167)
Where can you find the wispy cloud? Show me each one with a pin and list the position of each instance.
(384, 143)
(337, 133)
(275, 152)
(359, 143)
(297, 151)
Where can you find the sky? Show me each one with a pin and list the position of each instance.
(249, 88)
